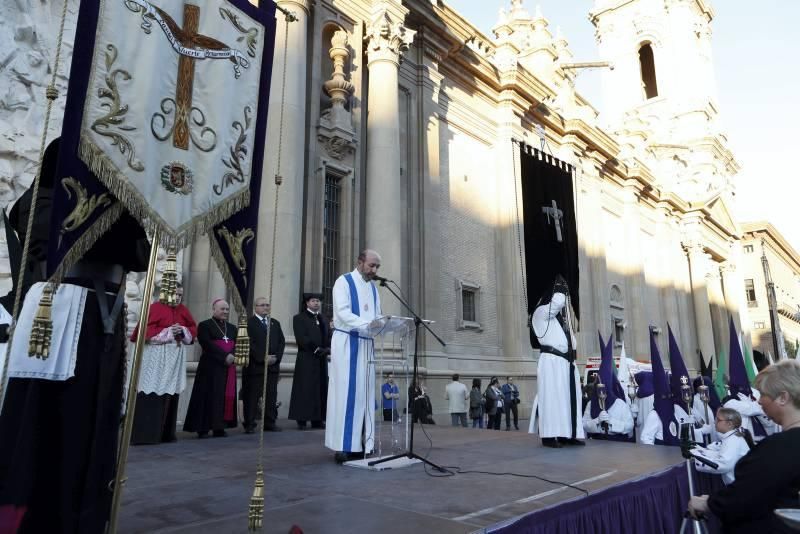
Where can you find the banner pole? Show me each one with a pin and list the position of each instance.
(133, 386)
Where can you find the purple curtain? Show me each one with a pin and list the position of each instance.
(654, 504)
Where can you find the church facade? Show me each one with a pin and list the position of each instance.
(401, 130)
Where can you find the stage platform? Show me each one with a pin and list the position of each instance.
(205, 485)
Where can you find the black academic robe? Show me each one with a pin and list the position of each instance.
(207, 404)
(310, 382)
(253, 373)
(59, 439)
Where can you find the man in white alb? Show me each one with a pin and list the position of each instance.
(351, 384)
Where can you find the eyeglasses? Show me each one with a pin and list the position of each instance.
(718, 420)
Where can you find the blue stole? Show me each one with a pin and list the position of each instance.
(351, 383)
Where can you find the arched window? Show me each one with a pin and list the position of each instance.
(648, 68)
(617, 314)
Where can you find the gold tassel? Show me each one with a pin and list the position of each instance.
(242, 354)
(42, 329)
(255, 515)
(169, 280)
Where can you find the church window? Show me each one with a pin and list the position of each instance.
(469, 305)
(647, 63)
(619, 331)
(759, 325)
(750, 291)
(617, 314)
(748, 249)
(330, 237)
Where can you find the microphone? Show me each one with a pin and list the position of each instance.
(380, 279)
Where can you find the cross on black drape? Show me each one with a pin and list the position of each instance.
(551, 236)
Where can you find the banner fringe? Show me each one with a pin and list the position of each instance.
(227, 277)
(87, 240)
(116, 182)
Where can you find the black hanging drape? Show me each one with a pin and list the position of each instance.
(551, 235)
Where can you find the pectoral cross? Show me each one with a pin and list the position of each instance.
(557, 215)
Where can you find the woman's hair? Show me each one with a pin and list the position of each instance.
(476, 383)
(494, 380)
(779, 377)
(729, 414)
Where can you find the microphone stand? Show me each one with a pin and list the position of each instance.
(410, 454)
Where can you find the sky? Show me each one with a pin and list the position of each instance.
(758, 81)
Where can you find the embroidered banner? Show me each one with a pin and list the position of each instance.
(166, 119)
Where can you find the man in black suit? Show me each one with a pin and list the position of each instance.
(253, 373)
(310, 382)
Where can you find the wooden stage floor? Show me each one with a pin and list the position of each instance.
(205, 485)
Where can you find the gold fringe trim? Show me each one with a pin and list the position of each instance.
(255, 513)
(119, 185)
(42, 329)
(242, 351)
(87, 241)
(227, 277)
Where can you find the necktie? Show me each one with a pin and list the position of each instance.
(264, 321)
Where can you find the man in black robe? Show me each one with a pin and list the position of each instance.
(253, 373)
(59, 438)
(310, 382)
(212, 405)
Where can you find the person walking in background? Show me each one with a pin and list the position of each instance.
(476, 404)
(511, 398)
(495, 402)
(390, 394)
(457, 396)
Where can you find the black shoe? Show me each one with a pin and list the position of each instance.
(571, 441)
(516, 427)
(553, 443)
(249, 430)
(318, 424)
(272, 428)
(220, 434)
(301, 425)
(201, 435)
(508, 428)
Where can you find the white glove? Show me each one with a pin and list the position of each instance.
(743, 397)
(604, 418)
(705, 429)
(634, 410)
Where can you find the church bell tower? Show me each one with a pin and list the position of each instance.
(660, 96)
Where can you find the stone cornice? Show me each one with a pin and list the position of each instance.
(757, 230)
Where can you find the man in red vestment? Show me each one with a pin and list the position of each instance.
(170, 329)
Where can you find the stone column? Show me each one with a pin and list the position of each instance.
(637, 333)
(732, 290)
(719, 315)
(666, 288)
(431, 238)
(702, 311)
(386, 39)
(286, 284)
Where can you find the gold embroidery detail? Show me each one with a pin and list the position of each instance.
(115, 117)
(236, 245)
(84, 204)
(251, 34)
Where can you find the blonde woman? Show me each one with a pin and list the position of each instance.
(768, 477)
